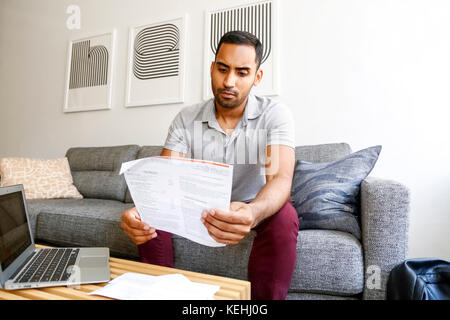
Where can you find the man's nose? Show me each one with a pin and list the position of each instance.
(230, 80)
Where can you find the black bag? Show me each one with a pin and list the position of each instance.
(420, 279)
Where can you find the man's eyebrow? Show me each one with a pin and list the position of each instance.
(222, 64)
(238, 68)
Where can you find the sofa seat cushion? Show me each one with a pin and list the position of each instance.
(328, 262)
(229, 261)
(86, 222)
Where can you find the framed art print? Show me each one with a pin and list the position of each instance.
(258, 19)
(89, 73)
(156, 63)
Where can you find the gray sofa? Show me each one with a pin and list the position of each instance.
(330, 264)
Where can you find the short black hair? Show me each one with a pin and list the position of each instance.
(246, 38)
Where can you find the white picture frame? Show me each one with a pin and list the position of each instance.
(90, 72)
(264, 15)
(156, 76)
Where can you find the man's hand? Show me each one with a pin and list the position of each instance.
(229, 227)
(138, 231)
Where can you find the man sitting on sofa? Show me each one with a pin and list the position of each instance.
(233, 120)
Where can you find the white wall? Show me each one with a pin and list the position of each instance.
(361, 71)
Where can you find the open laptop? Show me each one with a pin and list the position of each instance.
(24, 266)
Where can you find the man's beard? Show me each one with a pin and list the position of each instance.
(228, 103)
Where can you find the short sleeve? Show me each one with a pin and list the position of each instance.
(280, 126)
(177, 136)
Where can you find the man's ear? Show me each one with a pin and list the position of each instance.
(258, 77)
(212, 67)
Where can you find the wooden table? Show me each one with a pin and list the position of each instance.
(230, 289)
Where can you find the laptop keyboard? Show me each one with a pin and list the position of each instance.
(49, 265)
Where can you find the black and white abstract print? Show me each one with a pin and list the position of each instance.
(89, 65)
(157, 52)
(256, 19)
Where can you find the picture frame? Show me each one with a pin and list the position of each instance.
(90, 72)
(156, 63)
(260, 19)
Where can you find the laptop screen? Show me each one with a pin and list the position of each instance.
(14, 232)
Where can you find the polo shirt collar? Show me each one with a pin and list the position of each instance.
(209, 111)
(253, 109)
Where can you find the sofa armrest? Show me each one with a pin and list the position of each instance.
(385, 208)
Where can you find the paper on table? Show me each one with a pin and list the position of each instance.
(137, 286)
(171, 193)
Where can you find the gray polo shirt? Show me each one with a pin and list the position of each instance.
(196, 133)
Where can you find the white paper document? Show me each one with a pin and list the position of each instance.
(171, 193)
(137, 286)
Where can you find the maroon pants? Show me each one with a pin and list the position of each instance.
(272, 259)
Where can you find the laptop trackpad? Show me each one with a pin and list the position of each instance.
(93, 262)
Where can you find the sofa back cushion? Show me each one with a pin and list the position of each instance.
(95, 170)
(149, 151)
(313, 153)
(322, 152)
(144, 152)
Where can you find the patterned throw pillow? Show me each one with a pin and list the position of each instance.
(41, 178)
(325, 195)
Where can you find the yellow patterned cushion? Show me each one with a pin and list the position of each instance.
(41, 178)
